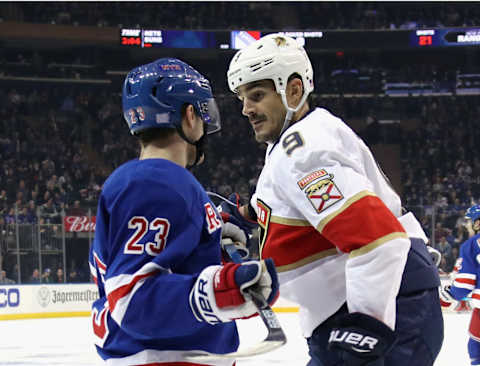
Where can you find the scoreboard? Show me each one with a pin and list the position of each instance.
(445, 37)
(186, 38)
(312, 40)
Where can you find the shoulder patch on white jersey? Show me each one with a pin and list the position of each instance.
(323, 192)
(305, 181)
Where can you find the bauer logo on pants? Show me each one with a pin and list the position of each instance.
(323, 194)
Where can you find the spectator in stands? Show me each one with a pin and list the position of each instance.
(49, 211)
(444, 247)
(4, 279)
(31, 214)
(76, 209)
(59, 277)
(35, 277)
(10, 217)
(47, 276)
(73, 276)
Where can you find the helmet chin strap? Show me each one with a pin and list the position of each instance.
(290, 111)
(199, 145)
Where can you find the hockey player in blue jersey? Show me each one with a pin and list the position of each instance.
(157, 248)
(466, 283)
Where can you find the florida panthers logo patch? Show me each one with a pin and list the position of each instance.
(323, 193)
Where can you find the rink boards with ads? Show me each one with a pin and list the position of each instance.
(46, 300)
(64, 300)
(70, 300)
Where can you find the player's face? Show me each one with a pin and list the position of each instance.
(476, 225)
(264, 108)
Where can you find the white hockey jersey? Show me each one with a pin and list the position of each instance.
(328, 218)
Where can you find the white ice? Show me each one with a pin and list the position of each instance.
(67, 341)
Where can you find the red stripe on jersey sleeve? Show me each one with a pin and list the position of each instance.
(475, 296)
(124, 290)
(361, 223)
(287, 244)
(467, 281)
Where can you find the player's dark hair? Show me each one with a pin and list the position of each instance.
(297, 76)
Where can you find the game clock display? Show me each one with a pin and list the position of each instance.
(311, 40)
(146, 38)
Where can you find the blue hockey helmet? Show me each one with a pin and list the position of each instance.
(473, 213)
(153, 96)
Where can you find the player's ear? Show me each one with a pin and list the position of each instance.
(189, 116)
(294, 91)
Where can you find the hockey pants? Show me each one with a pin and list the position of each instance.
(474, 341)
(419, 320)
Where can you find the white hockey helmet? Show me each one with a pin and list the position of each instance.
(274, 57)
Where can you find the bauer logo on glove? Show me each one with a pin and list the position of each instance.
(219, 294)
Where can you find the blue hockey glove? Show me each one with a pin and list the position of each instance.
(361, 339)
(219, 294)
(447, 301)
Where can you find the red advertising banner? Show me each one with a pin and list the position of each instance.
(79, 224)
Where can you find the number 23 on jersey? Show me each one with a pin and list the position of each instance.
(142, 226)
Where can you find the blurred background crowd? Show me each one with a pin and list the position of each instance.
(63, 131)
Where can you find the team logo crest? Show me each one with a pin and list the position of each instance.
(280, 41)
(323, 193)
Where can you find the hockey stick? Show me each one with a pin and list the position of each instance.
(225, 199)
(275, 337)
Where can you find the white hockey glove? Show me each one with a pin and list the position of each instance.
(447, 301)
(233, 233)
(235, 224)
(219, 292)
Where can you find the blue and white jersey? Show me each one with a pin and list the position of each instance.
(156, 229)
(467, 271)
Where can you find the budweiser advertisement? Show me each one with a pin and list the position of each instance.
(79, 224)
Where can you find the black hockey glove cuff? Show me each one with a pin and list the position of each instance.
(361, 339)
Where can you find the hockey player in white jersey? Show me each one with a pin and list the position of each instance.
(359, 269)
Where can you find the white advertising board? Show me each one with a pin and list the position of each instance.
(46, 300)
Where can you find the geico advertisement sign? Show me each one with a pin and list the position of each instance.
(9, 297)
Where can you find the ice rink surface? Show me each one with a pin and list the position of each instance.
(67, 341)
